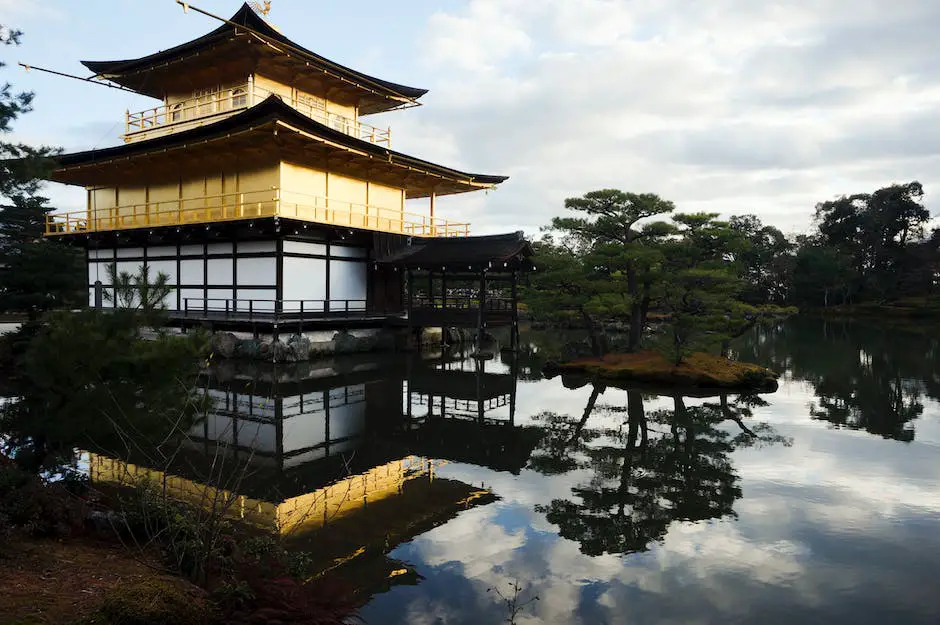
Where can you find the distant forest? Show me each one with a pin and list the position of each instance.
(632, 257)
(867, 247)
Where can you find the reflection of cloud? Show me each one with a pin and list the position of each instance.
(703, 548)
(881, 476)
(463, 542)
(840, 527)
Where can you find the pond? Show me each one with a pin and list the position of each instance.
(460, 491)
(831, 514)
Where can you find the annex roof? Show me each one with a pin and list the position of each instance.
(150, 74)
(460, 252)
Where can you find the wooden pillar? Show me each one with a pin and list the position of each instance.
(514, 333)
(409, 301)
(514, 372)
(433, 199)
(326, 421)
(481, 320)
(444, 288)
(279, 426)
(408, 394)
(278, 288)
(481, 368)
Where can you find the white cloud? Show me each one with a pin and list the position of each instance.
(731, 105)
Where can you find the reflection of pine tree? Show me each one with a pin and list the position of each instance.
(563, 439)
(670, 465)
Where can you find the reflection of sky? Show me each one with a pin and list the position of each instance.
(841, 527)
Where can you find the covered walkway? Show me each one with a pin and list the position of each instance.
(468, 282)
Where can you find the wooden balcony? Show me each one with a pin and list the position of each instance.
(253, 205)
(461, 312)
(208, 108)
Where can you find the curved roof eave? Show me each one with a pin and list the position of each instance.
(272, 109)
(248, 18)
(458, 252)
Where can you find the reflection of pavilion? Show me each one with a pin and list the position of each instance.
(462, 413)
(319, 421)
(461, 389)
(351, 447)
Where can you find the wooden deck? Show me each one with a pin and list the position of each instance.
(316, 314)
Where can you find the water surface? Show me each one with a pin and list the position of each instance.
(830, 514)
(448, 486)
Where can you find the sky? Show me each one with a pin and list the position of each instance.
(726, 106)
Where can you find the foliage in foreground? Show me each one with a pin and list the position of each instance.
(87, 381)
(35, 506)
(252, 579)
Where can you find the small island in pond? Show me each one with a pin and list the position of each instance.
(697, 370)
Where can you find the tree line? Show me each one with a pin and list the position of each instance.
(631, 256)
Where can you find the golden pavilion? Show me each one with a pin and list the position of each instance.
(257, 187)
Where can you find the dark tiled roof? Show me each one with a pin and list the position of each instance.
(248, 18)
(461, 252)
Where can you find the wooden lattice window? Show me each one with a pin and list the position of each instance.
(239, 98)
(206, 99)
(311, 105)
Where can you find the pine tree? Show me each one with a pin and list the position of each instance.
(36, 275)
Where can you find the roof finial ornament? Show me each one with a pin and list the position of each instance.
(259, 9)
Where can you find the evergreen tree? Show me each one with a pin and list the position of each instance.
(612, 231)
(36, 275)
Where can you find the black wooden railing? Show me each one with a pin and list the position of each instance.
(267, 309)
(462, 303)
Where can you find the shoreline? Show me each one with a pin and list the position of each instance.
(697, 371)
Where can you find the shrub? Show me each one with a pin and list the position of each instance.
(286, 600)
(38, 507)
(266, 553)
(252, 579)
(197, 543)
(265, 586)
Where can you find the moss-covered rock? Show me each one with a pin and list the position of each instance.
(155, 602)
(698, 370)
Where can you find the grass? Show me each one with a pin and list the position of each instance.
(68, 581)
(697, 370)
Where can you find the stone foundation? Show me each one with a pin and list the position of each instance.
(315, 345)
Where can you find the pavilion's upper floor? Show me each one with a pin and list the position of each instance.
(253, 125)
(240, 64)
(266, 161)
(184, 110)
